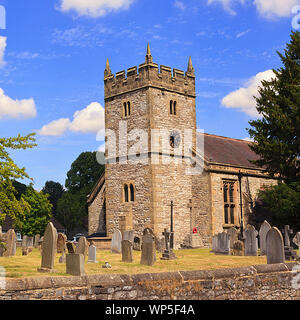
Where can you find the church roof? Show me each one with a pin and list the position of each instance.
(223, 150)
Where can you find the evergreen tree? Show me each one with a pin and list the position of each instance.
(277, 134)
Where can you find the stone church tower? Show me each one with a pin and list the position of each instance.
(140, 184)
(152, 151)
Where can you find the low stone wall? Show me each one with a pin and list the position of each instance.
(101, 242)
(262, 282)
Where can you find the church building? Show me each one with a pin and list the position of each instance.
(209, 179)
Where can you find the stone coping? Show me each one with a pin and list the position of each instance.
(105, 280)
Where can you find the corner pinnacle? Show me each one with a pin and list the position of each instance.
(107, 70)
(190, 67)
(148, 54)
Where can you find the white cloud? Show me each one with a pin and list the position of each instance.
(88, 120)
(241, 34)
(55, 128)
(179, 4)
(227, 4)
(2, 50)
(266, 8)
(95, 8)
(243, 98)
(275, 8)
(16, 109)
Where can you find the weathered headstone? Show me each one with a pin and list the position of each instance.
(296, 240)
(10, 243)
(289, 252)
(48, 249)
(36, 240)
(238, 248)
(71, 247)
(126, 251)
(61, 242)
(148, 256)
(251, 246)
(82, 246)
(168, 253)
(116, 241)
(29, 243)
(24, 241)
(275, 247)
(92, 254)
(75, 264)
(214, 243)
(61, 246)
(223, 244)
(264, 228)
(233, 234)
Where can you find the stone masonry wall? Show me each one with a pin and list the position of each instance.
(254, 183)
(97, 218)
(262, 282)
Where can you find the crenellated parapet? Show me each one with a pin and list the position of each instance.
(149, 74)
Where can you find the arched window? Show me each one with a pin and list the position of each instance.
(131, 192)
(125, 109)
(171, 107)
(174, 107)
(126, 198)
(229, 202)
(128, 108)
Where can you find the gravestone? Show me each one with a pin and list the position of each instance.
(126, 251)
(238, 248)
(264, 228)
(24, 246)
(289, 252)
(36, 240)
(2, 244)
(61, 242)
(168, 253)
(61, 247)
(251, 246)
(275, 247)
(92, 254)
(82, 246)
(24, 241)
(75, 264)
(233, 234)
(296, 240)
(214, 243)
(137, 243)
(223, 244)
(148, 256)
(29, 243)
(116, 241)
(48, 249)
(71, 247)
(10, 243)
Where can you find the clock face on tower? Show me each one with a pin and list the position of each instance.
(175, 139)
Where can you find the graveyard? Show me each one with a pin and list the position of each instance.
(54, 254)
(20, 266)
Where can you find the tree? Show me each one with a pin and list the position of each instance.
(69, 211)
(84, 173)
(280, 205)
(55, 191)
(9, 171)
(81, 178)
(38, 215)
(277, 134)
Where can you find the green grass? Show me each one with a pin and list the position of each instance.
(20, 266)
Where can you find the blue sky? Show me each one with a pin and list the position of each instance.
(53, 55)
